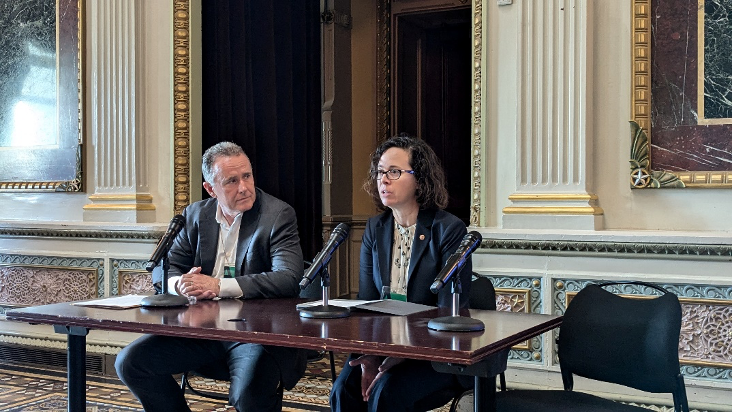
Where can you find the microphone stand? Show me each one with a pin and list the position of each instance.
(456, 322)
(324, 310)
(164, 299)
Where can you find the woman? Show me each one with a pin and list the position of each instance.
(402, 251)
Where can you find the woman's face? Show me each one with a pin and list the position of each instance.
(400, 193)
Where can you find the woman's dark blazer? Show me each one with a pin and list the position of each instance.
(437, 236)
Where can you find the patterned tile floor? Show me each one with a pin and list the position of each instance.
(31, 389)
(27, 389)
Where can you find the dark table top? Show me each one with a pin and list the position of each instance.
(277, 322)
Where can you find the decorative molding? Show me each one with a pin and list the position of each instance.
(122, 197)
(383, 70)
(476, 139)
(583, 197)
(635, 250)
(57, 344)
(552, 210)
(529, 290)
(585, 204)
(113, 206)
(181, 105)
(129, 277)
(514, 300)
(33, 280)
(81, 233)
(642, 177)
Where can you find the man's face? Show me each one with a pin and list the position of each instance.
(233, 186)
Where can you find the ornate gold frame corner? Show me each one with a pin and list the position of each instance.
(641, 176)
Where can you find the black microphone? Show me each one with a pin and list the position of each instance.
(321, 260)
(456, 261)
(176, 225)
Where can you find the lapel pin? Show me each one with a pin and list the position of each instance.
(422, 237)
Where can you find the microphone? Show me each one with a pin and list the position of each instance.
(176, 225)
(324, 256)
(456, 261)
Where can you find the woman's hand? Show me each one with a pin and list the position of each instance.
(372, 370)
(369, 370)
(388, 363)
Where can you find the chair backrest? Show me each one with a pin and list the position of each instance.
(482, 295)
(628, 341)
(314, 290)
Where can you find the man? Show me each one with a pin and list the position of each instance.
(241, 243)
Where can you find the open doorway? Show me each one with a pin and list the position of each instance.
(431, 91)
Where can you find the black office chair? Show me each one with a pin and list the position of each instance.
(606, 337)
(218, 371)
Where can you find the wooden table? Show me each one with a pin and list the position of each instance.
(276, 322)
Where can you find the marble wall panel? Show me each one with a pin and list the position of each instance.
(716, 71)
(682, 139)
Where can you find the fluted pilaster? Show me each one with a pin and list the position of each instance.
(120, 187)
(553, 124)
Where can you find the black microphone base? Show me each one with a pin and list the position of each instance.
(324, 312)
(456, 324)
(164, 301)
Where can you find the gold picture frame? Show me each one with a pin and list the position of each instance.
(42, 103)
(642, 176)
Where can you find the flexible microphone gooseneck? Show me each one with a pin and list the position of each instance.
(165, 243)
(324, 310)
(456, 261)
(450, 272)
(164, 299)
(339, 234)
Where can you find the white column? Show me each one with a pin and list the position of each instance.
(553, 128)
(120, 189)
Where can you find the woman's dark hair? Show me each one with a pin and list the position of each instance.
(431, 192)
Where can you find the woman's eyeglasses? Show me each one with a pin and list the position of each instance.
(392, 174)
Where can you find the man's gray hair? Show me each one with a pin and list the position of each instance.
(223, 149)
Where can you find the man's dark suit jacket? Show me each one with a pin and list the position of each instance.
(269, 262)
(437, 236)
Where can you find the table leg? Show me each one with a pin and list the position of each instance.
(484, 394)
(76, 366)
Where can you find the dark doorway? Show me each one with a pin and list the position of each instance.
(431, 93)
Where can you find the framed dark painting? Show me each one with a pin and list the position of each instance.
(681, 109)
(41, 95)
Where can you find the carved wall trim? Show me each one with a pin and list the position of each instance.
(514, 300)
(628, 250)
(34, 280)
(476, 138)
(57, 344)
(528, 290)
(81, 233)
(129, 277)
(181, 105)
(383, 70)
